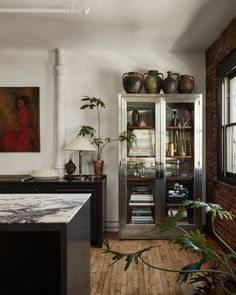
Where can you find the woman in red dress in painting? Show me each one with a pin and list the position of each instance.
(19, 139)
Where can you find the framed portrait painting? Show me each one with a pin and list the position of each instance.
(19, 119)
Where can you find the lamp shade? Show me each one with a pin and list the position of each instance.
(80, 144)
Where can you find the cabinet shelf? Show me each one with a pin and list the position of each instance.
(179, 127)
(141, 204)
(141, 156)
(130, 127)
(170, 205)
(175, 178)
(134, 178)
(179, 157)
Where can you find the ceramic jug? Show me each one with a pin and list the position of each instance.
(152, 81)
(186, 84)
(132, 82)
(169, 84)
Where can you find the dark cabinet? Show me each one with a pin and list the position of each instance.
(97, 189)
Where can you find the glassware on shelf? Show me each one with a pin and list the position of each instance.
(174, 121)
(130, 169)
(143, 169)
(137, 170)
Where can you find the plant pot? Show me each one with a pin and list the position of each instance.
(98, 168)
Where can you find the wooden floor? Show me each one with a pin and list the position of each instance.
(139, 279)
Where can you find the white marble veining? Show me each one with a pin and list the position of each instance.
(40, 208)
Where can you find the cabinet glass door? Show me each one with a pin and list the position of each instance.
(181, 160)
(141, 164)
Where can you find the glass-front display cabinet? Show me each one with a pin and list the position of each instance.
(164, 167)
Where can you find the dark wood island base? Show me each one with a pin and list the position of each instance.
(46, 258)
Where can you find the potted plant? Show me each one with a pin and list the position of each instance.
(93, 103)
(220, 272)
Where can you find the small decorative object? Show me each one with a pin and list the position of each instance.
(132, 82)
(174, 120)
(152, 81)
(45, 173)
(186, 84)
(137, 170)
(135, 118)
(169, 84)
(70, 167)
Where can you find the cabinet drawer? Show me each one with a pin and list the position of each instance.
(20, 188)
(73, 188)
(36, 188)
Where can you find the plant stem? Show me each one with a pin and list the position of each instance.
(186, 271)
(219, 238)
(99, 124)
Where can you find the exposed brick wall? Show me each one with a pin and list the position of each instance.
(218, 192)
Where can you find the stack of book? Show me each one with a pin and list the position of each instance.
(141, 199)
(142, 216)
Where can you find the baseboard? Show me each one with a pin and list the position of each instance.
(111, 226)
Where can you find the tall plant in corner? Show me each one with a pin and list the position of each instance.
(93, 103)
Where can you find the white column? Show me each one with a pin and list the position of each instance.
(60, 77)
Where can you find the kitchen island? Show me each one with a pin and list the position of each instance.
(44, 244)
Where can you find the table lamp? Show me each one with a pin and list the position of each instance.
(80, 144)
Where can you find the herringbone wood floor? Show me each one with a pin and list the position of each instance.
(139, 279)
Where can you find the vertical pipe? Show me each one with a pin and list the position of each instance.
(60, 77)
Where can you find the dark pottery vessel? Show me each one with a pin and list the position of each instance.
(186, 84)
(152, 81)
(132, 82)
(169, 84)
(135, 118)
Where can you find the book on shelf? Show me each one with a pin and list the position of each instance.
(141, 212)
(141, 198)
(149, 204)
(142, 217)
(142, 221)
(141, 189)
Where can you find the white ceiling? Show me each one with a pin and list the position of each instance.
(163, 25)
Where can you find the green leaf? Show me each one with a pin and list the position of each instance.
(171, 221)
(86, 131)
(214, 209)
(194, 241)
(85, 106)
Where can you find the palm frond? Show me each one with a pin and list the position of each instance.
(129, 257)
(170, 221)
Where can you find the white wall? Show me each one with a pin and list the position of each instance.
(93, 73)
(99, 74)
(31, 69)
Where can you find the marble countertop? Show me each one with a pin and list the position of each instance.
(40, 208)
